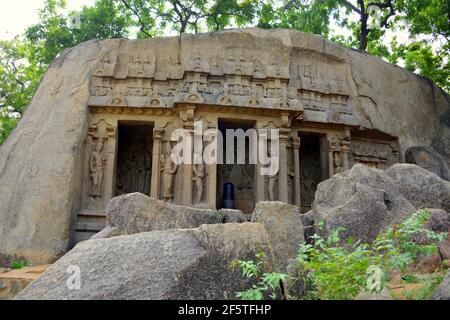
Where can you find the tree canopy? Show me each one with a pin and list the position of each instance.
(367, 25)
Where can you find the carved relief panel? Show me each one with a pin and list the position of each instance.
(134, 161)
(377, 154)
(99, 165)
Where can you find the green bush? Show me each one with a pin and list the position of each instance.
(18, 264)
(337, 270)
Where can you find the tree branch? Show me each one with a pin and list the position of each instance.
(142, 23)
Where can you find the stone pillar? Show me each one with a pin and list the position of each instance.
(283, 194)
(156, 171)
(345, 150)
(296, 148)
(211, 170)
(331, 149)
(260, 181)
(187, 172)
(109, 175)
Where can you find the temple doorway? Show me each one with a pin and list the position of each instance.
(134, 158)
(241, 176)
(313, 168)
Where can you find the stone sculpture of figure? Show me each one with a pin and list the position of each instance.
(337, 162)
(199, 174)
(169, 170)
(272, 181)
(97, 164)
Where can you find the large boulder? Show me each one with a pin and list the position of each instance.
(283, 222)
(442, 141)
(430, 159)
(442, 292)
(366, 201)
(363, 200)
(41, 162)
(169, 264)
(135, 213)
(421, 187)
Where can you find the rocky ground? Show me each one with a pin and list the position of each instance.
(154, 250)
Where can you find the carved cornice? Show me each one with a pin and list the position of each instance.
(238, 76)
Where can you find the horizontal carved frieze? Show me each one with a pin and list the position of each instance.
(235, 76)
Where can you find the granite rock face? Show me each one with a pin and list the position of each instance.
(428, 158)
(168, 264)
(135, 213)
(365, 200)
(442, 292)
(42, 162)
(284, 224)
(421, 187)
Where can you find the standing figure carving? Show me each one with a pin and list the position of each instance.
(169, 169)
(97, 163)
(271, 190)
(337, 162)
(199, 174)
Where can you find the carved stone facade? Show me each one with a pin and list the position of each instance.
(305, 95)
(373, 153)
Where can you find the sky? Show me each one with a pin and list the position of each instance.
(17, 15)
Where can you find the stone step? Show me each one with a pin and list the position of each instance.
(89, 222)
(83, 236)
(89, 226)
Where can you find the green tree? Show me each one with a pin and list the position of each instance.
(24, 59)
(428, 26)
(309, 16)
(156, 17)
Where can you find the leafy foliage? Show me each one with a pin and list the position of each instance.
(18, 264)
(362, 24)
(340, 270)
(24, 59)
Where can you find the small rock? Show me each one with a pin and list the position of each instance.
(444, 250)
(231, 216)
(365, 295)
(442, 292)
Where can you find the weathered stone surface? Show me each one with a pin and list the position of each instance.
(284, 224)
(135, 213)
(428, 158)
(41, 161)
(14, 281)
(442, 141)
(444, 250)
(42, 164)
(365, 295)
(231, 216)
(169, 264)
(422, 188)
(442, 292)
(308, 225)
(365, 200)
(439, 220)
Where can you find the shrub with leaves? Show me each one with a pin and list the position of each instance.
(334, 269)
(18, 264)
